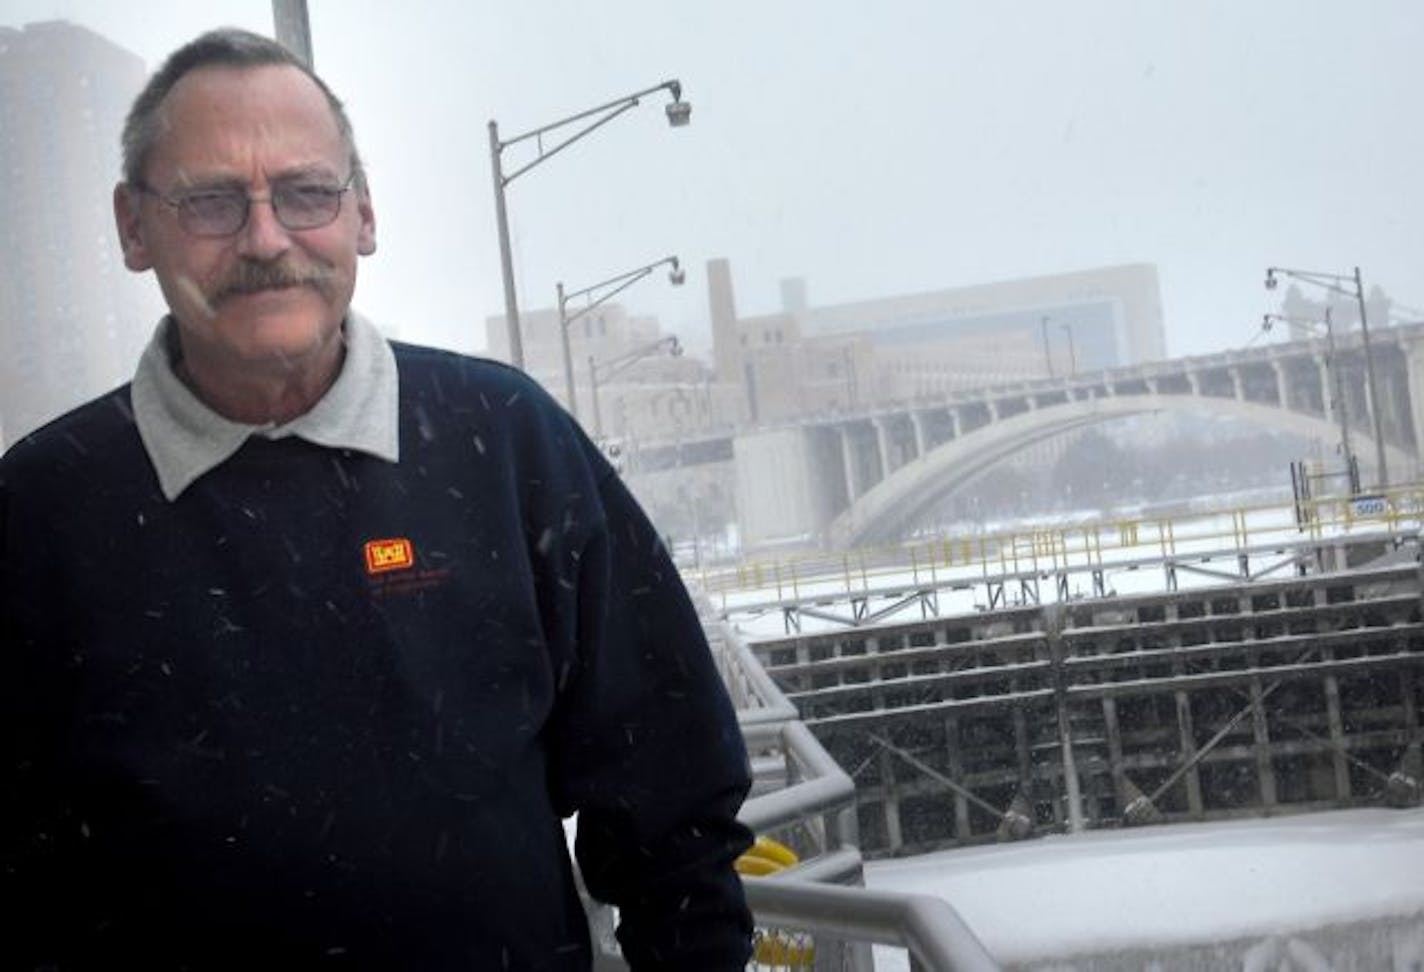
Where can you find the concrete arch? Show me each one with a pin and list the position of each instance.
(903, 496)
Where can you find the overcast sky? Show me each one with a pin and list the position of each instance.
(873, 149)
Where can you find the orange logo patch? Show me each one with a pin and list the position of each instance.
(384, 555)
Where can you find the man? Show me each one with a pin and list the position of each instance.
(311, 640)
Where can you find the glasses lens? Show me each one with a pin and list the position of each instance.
(217, 212)
(305, 205)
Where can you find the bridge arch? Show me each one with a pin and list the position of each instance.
(906, 494)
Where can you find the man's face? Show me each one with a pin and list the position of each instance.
(265, 293)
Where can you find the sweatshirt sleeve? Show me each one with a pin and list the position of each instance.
(649, 753)
(36, 828)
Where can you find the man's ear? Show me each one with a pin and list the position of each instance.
(366, 233)
(126, 218)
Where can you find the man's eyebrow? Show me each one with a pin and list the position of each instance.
(206, 183)
(316, 170)
(313, 171)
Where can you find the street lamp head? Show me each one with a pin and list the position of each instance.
(1271, 279)
(676, 276)
(679, 113)
(1266, 321)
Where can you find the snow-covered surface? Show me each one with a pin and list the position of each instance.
(1204, 545)
(1180, 884)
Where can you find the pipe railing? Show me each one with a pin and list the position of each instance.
(814, 813)
(824, 893)
(758, 700)
(931, 930)
(758, 584)
(802, 794)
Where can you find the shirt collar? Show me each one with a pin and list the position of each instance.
(185, 439)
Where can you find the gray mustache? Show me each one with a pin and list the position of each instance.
(249, 278)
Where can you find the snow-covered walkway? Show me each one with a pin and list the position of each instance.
(1262, 885)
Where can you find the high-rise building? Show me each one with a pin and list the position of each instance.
(72, 319)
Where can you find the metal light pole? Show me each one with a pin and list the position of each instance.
(1047, 357)
(1371, 380)
(1332, 282)
(1340, 403)
(1072, 350)
(293, 28)
(602, 371)
(679, 112)
(619, 284)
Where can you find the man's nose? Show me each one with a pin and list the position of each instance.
(264, 236)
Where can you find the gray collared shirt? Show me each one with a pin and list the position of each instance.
(185, 439)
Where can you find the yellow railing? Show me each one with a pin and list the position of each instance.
(1048, 548)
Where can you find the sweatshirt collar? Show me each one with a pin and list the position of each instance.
(185, 439)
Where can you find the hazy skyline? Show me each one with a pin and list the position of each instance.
(916, 146)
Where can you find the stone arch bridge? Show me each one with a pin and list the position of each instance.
(852, 480)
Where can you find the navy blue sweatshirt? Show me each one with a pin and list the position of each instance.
(323, 708)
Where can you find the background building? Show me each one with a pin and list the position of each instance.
(73, 320)
(808, 360)
(671, 417)
(644, 390)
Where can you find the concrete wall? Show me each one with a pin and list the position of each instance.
(780, 497)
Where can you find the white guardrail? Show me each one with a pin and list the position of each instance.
(804, 799)
(816, 915)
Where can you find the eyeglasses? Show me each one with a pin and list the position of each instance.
(222, 211)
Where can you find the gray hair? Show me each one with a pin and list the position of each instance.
(225, 47)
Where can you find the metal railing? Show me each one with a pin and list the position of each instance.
(818, 913)
(803, 798)
(1121, 541)
(932, 932)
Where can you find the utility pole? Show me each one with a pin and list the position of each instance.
(293, 28)
(1047, 356)
(1372, 383)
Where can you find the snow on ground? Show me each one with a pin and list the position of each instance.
(1174, 885)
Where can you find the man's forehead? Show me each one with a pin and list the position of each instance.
(222, 115)
(236, 83)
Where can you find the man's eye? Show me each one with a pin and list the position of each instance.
(306, 196)
(212, 202)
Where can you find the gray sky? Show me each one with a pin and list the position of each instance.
(881, 149)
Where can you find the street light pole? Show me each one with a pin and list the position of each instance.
(1370, 380)
(1332, 282)
(620, 283)
(679, 113)
(1047, 357)
(293, 28)
(1340, 403)
(1072, 351)
(614, 366)
(593, 393)
(570, 397)
(506, 262)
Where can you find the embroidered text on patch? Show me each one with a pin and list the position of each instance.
(384, 555)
